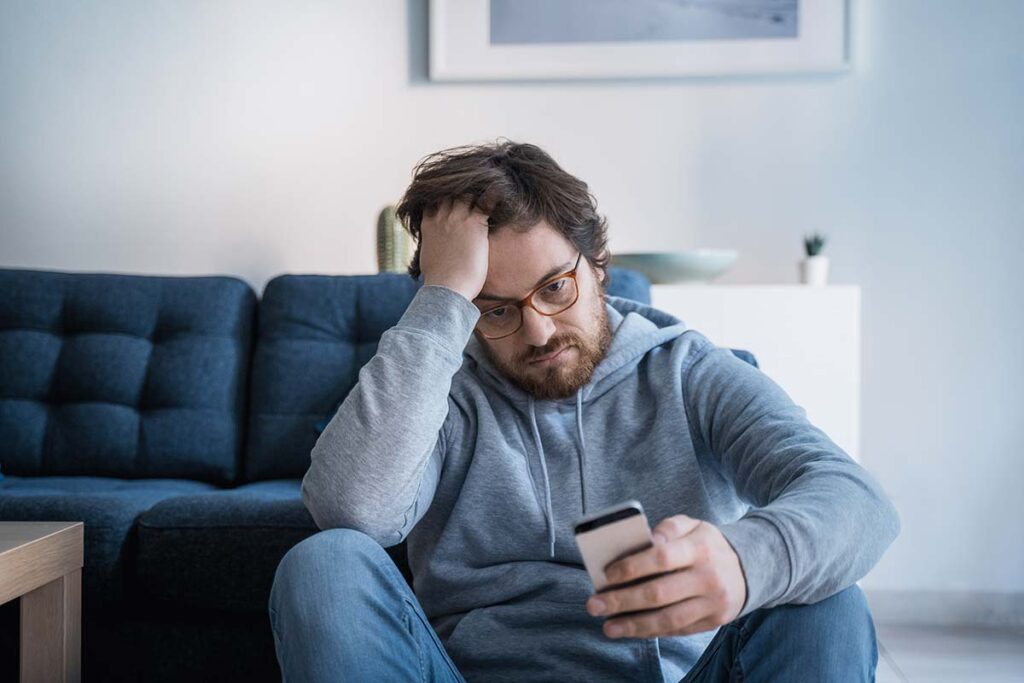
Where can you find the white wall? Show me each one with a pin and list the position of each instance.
(255, 138)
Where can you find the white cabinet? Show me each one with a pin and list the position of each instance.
(807, 339)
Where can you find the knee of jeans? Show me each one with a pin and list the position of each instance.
(845, 617)
(330, 559)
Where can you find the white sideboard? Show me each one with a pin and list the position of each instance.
(805, 338)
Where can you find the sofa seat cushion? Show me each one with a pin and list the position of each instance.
(220, 549)
(109, 508)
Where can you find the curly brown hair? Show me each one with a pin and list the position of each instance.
(517, 185)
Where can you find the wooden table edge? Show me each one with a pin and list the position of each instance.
(62, 552)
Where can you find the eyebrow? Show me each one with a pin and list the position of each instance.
(550, 274)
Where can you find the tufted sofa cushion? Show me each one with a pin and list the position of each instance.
(315, 332)
(123, 375)
(629, 284)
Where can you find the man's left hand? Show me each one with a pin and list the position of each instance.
(704, 588)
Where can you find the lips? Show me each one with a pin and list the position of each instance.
(550, 356)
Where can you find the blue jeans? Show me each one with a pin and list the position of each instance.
(341, 610)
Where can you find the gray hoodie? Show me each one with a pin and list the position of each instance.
(435, 445)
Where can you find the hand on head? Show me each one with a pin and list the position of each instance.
(453, 247)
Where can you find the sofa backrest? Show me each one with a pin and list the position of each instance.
(315, 332)
(123, 375)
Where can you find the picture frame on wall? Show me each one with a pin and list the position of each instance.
(479, 40)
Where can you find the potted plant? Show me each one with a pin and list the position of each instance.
(394, 244)
(814, 268)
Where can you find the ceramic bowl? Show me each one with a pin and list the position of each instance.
(667, 267)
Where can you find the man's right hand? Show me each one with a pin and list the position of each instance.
(453, 248)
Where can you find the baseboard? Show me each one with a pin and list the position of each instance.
(946, 608)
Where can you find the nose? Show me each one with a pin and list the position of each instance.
(537, 328)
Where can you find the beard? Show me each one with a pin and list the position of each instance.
(565, 379)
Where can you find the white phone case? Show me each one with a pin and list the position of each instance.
(601, 546)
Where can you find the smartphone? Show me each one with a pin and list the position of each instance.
(611, 534)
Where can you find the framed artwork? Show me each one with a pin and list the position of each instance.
(546, 39)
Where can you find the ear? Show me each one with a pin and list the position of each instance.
(601, 272)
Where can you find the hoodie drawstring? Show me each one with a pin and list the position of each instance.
(583, 448)
(550, 515)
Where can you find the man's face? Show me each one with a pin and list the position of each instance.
(518, 262)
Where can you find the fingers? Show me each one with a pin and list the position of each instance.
(676, 526)
(439, 213)
(703, 587)
(651, 594)
(458, 210)
(663, 556)
(681, 618)
(452, 210)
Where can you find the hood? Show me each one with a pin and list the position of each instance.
(636, 329)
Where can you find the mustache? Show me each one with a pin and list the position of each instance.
(553, 345)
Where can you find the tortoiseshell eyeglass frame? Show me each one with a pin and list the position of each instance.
(528, 300)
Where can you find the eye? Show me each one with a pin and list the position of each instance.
(496, 313)
(555, 286)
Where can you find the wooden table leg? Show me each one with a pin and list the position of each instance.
(51, 637)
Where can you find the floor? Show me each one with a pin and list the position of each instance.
(936, 654)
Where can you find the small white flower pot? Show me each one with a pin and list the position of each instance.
(814, 271)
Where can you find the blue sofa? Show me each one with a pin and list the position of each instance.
(175, 416)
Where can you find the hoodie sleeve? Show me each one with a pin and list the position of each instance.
(819, 520)
(376, 465)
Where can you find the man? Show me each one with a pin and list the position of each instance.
(513, 397)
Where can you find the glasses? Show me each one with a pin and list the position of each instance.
(551, 298)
